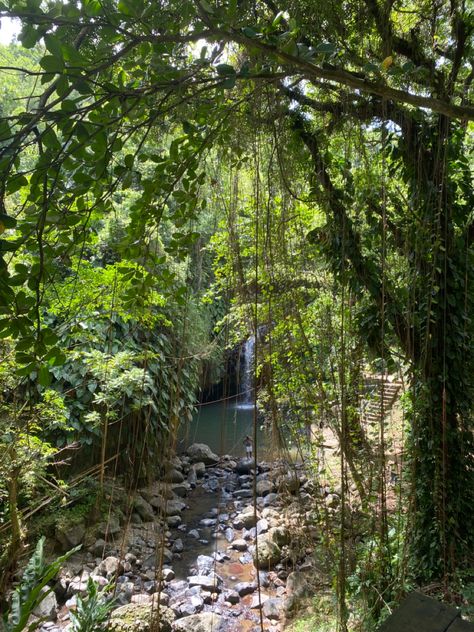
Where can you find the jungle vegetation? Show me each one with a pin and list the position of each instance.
(177, 175)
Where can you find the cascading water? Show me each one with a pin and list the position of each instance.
(247, 362)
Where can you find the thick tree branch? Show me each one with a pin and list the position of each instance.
(349, 79)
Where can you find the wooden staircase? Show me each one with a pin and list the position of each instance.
(382, 393)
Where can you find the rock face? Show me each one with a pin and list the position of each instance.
(203, 622)
(141, 618)
(200, 452)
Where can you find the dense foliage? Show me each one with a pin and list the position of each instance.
(322, 154)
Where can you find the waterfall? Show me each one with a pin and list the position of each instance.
(247, 365)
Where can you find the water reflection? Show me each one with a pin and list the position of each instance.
(223, 427)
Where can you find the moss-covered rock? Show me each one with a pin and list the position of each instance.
(139, 617)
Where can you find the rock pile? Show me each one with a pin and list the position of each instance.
(197, 552)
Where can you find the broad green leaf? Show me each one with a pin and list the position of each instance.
(326, 48)
(52, 64)
(225, 70)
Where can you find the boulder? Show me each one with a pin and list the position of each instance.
(211, 583)
(264, 487)
(240, 545)
(143, 509)
(202, 622)
(297, 585)
(141, 618)
(272, 608)
(244, 466)
(201, 452)
(173, 476)
(111, 527)
(109, 567)
(269, 554)
(71, 535)
(47, 608)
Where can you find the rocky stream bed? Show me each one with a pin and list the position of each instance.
(196, 552)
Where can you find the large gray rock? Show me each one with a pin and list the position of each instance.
(111, 527)
(272, 608)
(143, 509)
(211, 583)
(48, 607)
(202, 452)
(173, 476)
(269, 553)
(203, 622)
(141, 618)
(110, 567)
(265, 487)
(244, 466)
(71, 535)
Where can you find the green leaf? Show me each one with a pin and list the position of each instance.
(7, 222)
(53, 45)
(248, 31)
(44, 376)
(52, 64)
(225, 70)
(29, 36)
(5, 131)
(326, 48)
(16, 183)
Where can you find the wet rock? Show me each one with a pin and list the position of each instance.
(141, 618)
(205, 564)
(208, 522)
(173, 521)
(232, 597)
(181, 489)
(229, 534)
(243, 493)
(167, 574)
(203, 622)
(262, 526)
(211, 583)
(143, 509)
(178, 546)
(239, 545)
(194, 533)
(174, 507)
(199, 468)
(200, 452)
(245, 588)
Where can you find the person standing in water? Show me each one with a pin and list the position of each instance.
(248, 447)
